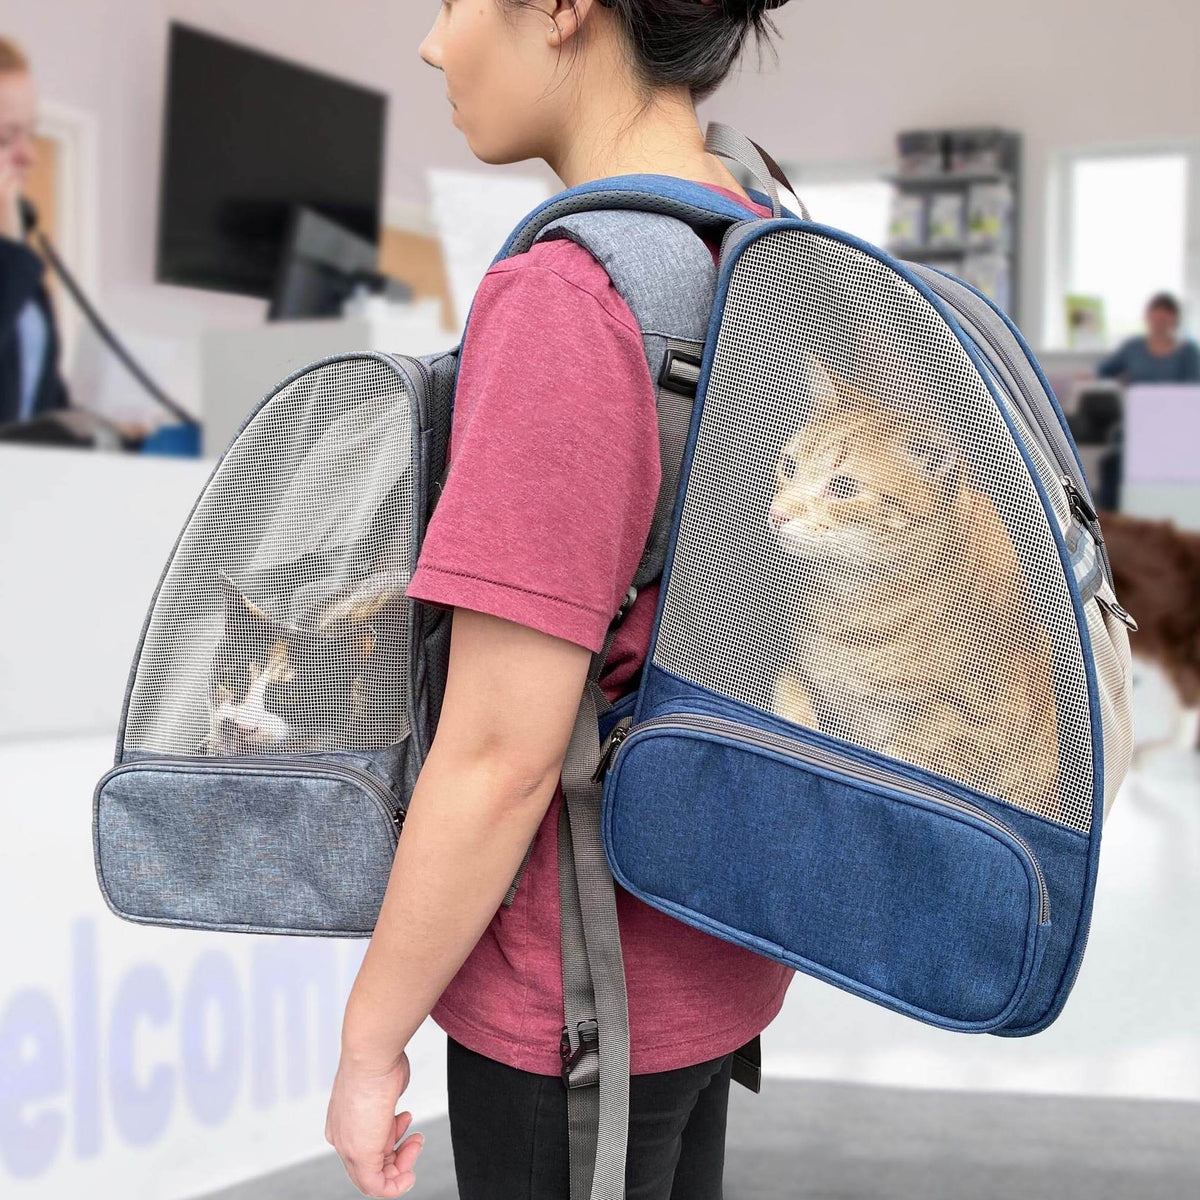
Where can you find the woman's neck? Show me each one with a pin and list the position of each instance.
(665, 139)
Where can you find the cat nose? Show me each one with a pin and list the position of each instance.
(775, 518)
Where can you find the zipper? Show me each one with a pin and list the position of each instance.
(1081, 506)
(1054, 440)
(405, 362)
(617, 735)
(381, 795)
(819, 756)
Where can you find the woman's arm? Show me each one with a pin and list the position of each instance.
(512, 693)
(511, 698)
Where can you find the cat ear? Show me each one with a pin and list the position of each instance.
(236, 599)
(364, 599)
(820, 391)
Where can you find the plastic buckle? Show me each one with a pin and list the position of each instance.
(589, 1039)
(626, 605)
(680, 372)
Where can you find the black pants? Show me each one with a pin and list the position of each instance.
(508, 1131)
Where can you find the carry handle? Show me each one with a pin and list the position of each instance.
(733, 144)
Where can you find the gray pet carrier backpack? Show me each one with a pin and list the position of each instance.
(886, 703)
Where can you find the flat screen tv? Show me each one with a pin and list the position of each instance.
(247, 137)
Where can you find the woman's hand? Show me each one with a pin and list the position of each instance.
(363, 1127)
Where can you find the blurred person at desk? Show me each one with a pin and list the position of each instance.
(29, 377)
(1161, 356)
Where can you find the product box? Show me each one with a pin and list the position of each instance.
(922, 152)
(906, 227)
(947, 219)
(989, 215)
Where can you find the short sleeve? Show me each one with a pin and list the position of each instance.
(554, 467)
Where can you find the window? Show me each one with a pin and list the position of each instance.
(859, 206)
(1123, 230)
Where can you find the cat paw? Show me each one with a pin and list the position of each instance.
(792, 701)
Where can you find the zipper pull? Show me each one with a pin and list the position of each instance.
(1080, 504)
(619, 733)
(1118, 610)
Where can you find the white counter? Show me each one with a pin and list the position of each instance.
(84, 537)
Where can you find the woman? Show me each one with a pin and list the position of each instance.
(1159, 357)
(29, 378)
(537, 533)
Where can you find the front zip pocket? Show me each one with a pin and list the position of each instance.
(899, 889)
(254, 843)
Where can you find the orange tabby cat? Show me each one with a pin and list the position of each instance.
(914, 634)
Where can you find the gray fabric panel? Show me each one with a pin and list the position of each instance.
(431, 623)
(242, 847)
(663, 270)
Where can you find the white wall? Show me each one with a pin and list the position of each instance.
(1067, 72)
(1062, 72)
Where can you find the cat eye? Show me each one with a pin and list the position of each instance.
(844, 486)
(787, 466)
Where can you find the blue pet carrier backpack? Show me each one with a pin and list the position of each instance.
(885, 707)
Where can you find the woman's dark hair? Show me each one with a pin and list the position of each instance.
(1164, 300)
(686, 43)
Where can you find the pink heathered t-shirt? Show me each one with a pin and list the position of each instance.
(542, 521)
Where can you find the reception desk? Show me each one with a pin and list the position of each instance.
(135, 1061)
(84, 536)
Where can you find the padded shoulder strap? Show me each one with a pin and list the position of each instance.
(665, 272)
(660, 265)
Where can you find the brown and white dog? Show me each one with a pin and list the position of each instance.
(1156, 572)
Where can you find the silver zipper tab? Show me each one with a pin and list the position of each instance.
(1081, 506)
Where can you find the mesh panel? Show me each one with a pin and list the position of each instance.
(861, 548)
(281, 624)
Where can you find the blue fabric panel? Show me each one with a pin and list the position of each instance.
(903, 901)
(1064, 854)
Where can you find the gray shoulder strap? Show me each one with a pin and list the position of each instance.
(665, 272)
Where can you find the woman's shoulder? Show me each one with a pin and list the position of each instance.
(564, 269)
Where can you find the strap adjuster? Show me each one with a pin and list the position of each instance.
(626, 604)
(589, 1039)
(680, 372)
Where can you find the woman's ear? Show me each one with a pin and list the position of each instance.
(567, 18)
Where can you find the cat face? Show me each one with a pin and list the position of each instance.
(859, 484)
(304, 685)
